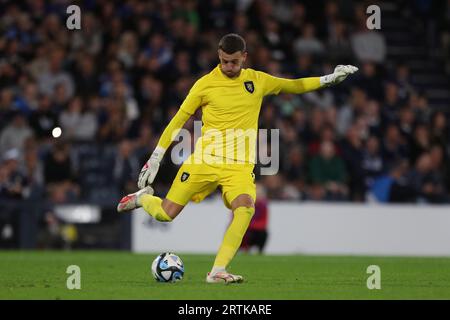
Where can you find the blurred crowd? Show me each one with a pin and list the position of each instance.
(120, 79)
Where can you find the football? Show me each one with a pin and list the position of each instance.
(168, 267)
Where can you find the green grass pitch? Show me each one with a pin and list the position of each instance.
(123, 275)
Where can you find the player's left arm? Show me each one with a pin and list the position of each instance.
(190, 104)
(275, 85)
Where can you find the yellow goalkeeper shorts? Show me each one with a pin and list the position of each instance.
(195, 181)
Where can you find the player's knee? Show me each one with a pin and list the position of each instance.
(244, 200)
(172, 209)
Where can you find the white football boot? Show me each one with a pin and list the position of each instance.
(130, 202)
(223, 277)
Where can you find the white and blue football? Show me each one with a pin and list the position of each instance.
(168, 267)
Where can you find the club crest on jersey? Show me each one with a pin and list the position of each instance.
(249, 86)
(184, 176)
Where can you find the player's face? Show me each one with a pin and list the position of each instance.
(231, 64)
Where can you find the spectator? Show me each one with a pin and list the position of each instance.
(33, 169)
(368, 45)
(54, 75)
(6, 106)
(327, 175)
(322, 99)
(295, 169)
(277, 189)
(439, 129)
(419, 104)
(128, 49)
(303, 66)
(89, 38)
(406, 124)
(157, 54)
(59, 176)
(113, 122)
(272, 38)
(85, 76)
(123, 95)
(427, 182)
(299, 123)
(59, 98)
(126, 167)
(372, 162)
(338, 45)
(390, 109)
(370, 80)
(393, 187)
(78, 123)
(421, 142)
(348, 113)
(403, 79)
(44, 119)
(331, 17)
(373, 118)
(150, 97)
(308, 43)
(14, 134)
(393, 148)
(352, 154)
(315, 124)
(287, 103)
(268, 114)
(13, 184)
(144, 144)
(327, 133)
(28, 102)
(439, 164)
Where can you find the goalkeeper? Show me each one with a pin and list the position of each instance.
(230, 97)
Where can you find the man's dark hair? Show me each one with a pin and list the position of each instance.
(232, 43)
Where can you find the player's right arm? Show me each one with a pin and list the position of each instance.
(187, 109)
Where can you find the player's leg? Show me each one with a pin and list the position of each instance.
(162, 210)
(243, 209)
(130, 201)
(192, 182)
(239, 194)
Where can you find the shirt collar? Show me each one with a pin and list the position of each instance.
(219, 70)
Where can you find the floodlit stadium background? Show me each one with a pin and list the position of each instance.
(113, 86)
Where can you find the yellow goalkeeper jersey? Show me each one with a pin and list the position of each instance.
(230, 110)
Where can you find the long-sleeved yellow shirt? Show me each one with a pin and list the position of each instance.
(230, 111)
